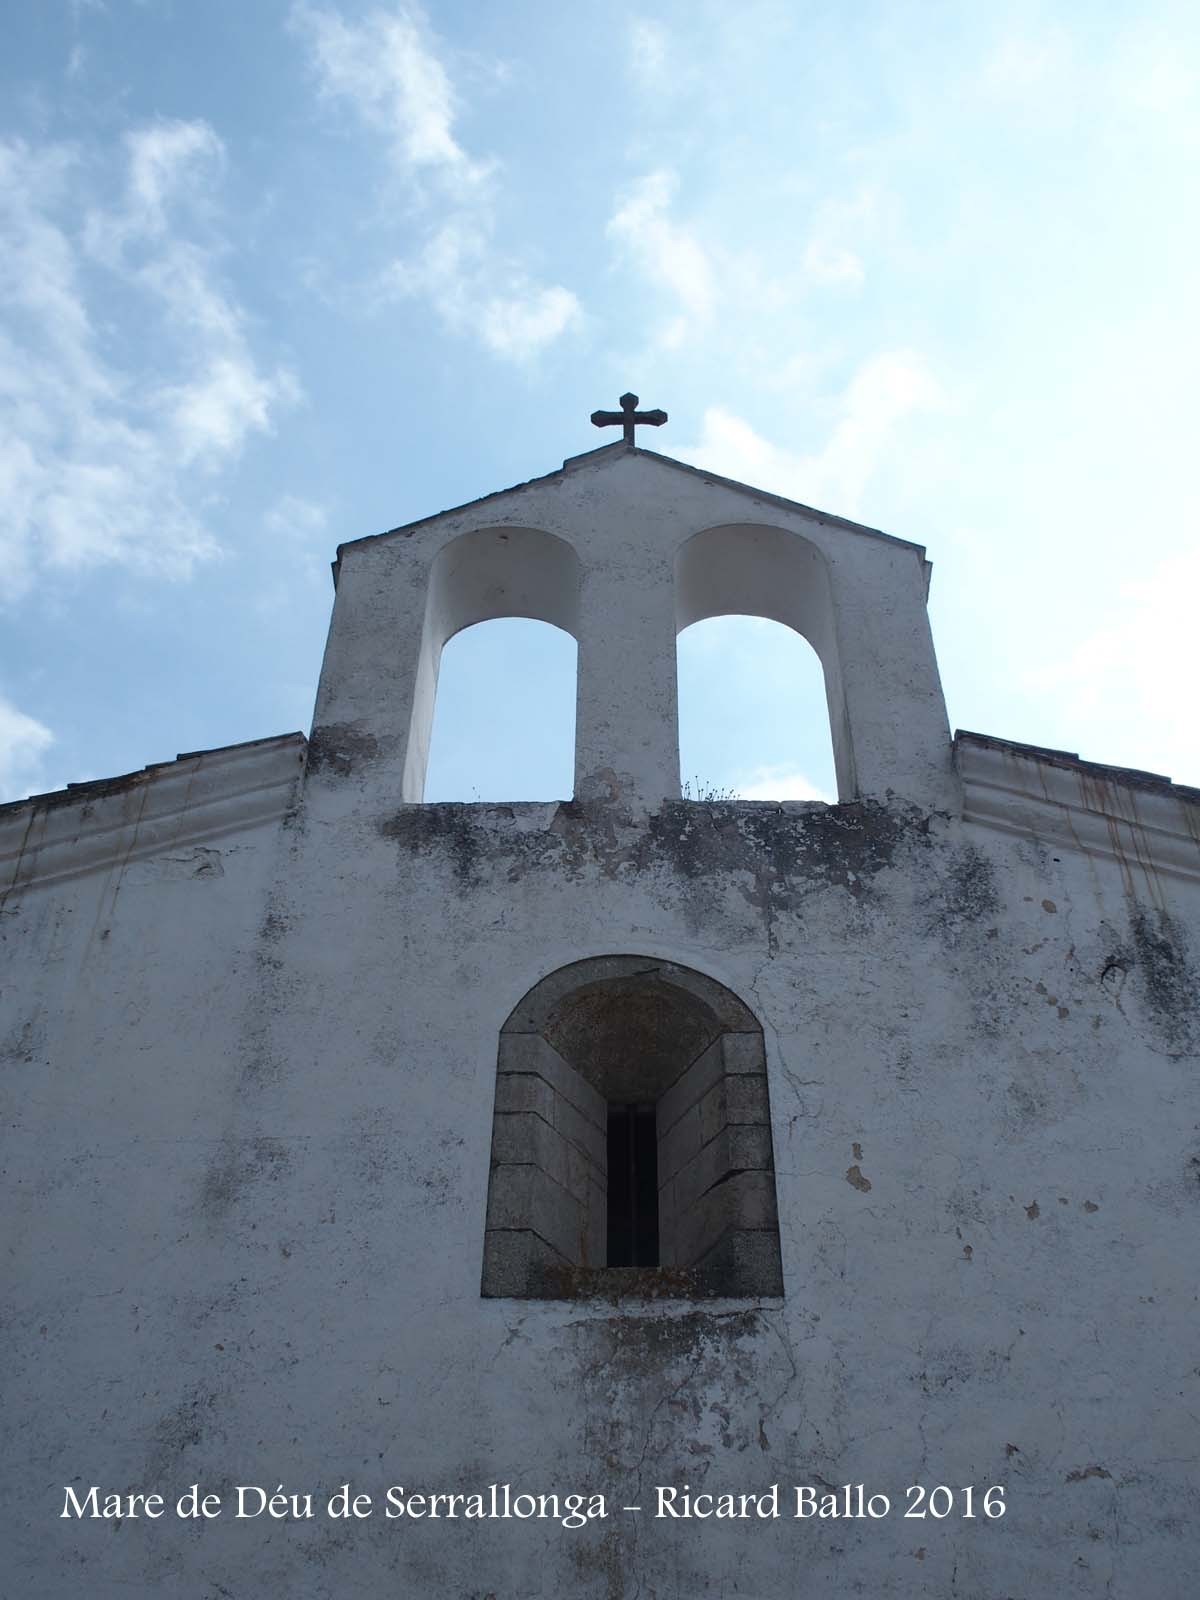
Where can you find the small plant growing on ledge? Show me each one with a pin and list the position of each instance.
(698, 789)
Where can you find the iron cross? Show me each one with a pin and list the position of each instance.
(629, 417)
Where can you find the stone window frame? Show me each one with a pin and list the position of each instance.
(705, 1064)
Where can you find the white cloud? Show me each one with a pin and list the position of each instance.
(711, 280)
(778, 783)
(516, 324)
(1157, 83)
(830, 257)
(1146, 81)
(648, 41)
(456, 273)
(99, 456)
(883, 392)
(386, 69)
(225, 397)
(1135, 671)
(23, 743)
(228, 399)
(1165, 83)
(668, 252)
(830, 263)
(296, 517)
(160, 157)
(304, 552)
(1022, 63)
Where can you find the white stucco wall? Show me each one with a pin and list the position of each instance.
(249, 1117)
(249, 1069)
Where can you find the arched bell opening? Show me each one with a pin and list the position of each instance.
(755, 570)
(504, 720)
(753, 713)
(479, 577)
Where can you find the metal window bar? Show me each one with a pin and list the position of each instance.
(632, 1186)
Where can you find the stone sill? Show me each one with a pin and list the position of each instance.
(619, 1285)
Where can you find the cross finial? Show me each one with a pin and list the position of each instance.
(628, 417)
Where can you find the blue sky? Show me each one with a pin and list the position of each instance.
(275, 276)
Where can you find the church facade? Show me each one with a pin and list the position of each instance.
(822, 1181)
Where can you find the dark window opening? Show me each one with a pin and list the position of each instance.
(631, 1142)
(632, 1187)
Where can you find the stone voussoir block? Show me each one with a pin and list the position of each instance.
(515, 1262)
(690, 1086)
(527, 1197)
(744, 1201)
(744, 1262)
(680, 1145)
(521, 1138)
(581, 1131)
(737, 1148)
(529, 1052)
(525, 1091)
(742, 1053)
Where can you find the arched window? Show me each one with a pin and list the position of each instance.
(753, 718)
(749, 570)
(632, 1130)
(504, 724)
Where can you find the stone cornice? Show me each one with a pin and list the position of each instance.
(89, 826)
(1149, 826)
